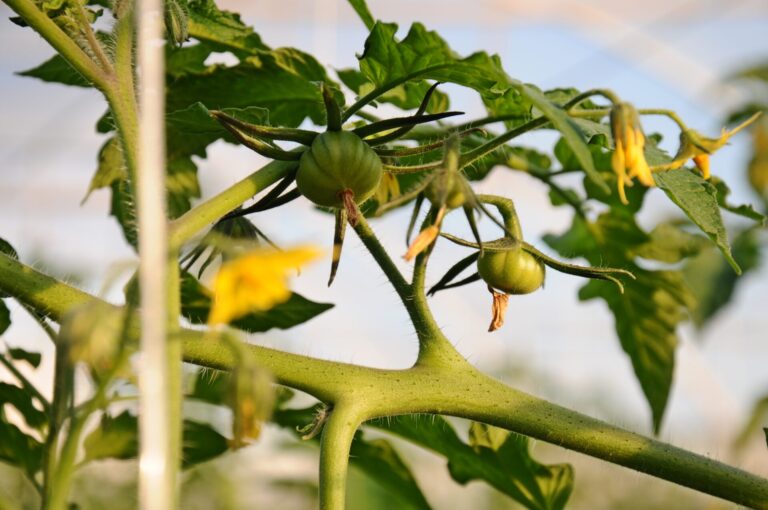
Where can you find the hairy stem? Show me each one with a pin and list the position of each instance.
(434, 347)
(338, 433)
(61, 42)
(206, 213)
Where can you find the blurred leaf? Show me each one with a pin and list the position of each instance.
(758, 72)
(211, 386)
(23, 402)
(196, 303)
(56, 70)
(201, 443)
(19, 449)
(669, 243)
(697, 198)
(7, 249)
(18, 354)
(757, 417)
(711, 279)
(652, 305)
(497, 457)
(115, 437)
(361, 8)
(5, 317)
(377, 459)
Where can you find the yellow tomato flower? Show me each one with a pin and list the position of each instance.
(694, 145)
(256, 281)
(628, 160)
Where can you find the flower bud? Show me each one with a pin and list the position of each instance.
(628, 160)
(252, 399)
(176, 22)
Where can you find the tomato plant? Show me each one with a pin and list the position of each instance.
(358, 165)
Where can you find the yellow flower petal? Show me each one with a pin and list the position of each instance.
(255, 282)
(702, 163)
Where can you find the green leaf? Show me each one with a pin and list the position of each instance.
(711, 279)
(5, 317)
(122, 208)
(361, 8)
(23, 402)
(697, 198)
(196, 303)
(33, 358)
(376, 458)
(201, 443)
(56, 70)
(388, 63)
(111, 167)
(501, 459)
(283, 80)
(648, 312)
(222, 30)
(745, 210)
(19, 449)
(115, 437)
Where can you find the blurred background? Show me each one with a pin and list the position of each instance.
(673, 54)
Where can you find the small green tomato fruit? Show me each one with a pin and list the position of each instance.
(455, 196)
(512, 271)
(338, 163)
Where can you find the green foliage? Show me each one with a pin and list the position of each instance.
(652, 306)
(498, 457)
(18, 354)
(713, 282)
(116, 437)
(5, 317)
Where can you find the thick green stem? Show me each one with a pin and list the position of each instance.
(457, 390)
(61, 42)
(194, 221)
(338, 433)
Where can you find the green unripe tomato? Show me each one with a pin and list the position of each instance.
(455, 196)
(513, 271)
(338, 161)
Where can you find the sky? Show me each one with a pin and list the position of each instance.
(672, 54)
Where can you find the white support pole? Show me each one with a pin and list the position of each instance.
(157, 482)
